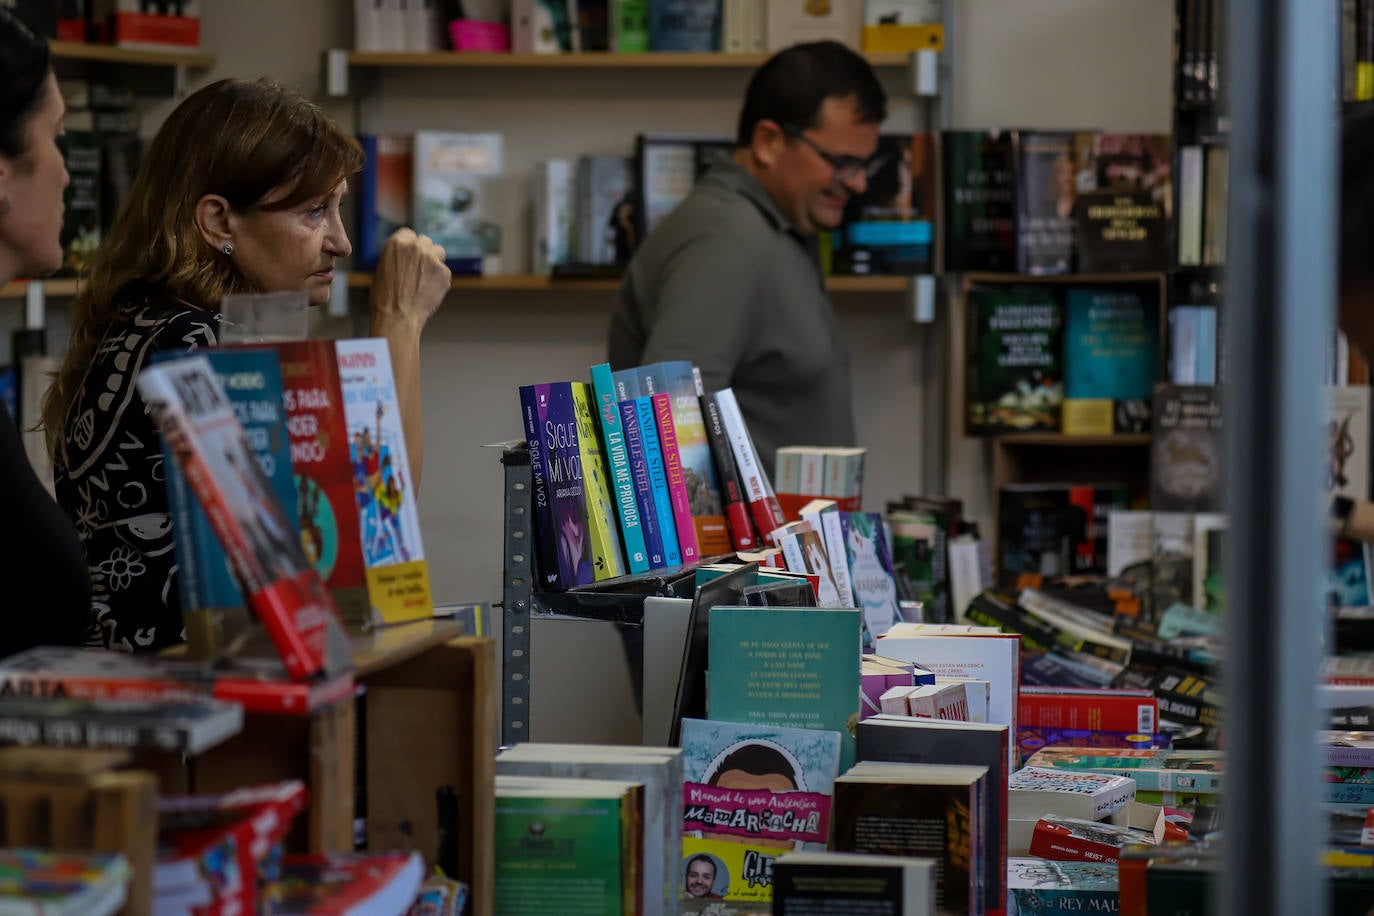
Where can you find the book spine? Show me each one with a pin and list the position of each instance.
(644, 491)
(596, 494)
(1190, 174)
(369, 245)
(1047, 843)
(113, 731)
(682, 385)
(763, 503)
(736, 509)
(832, 534)
(613, 434)
(677, 483)
(813, 479)
(534, 408)
(192, 543)
(787, 470)
(658, 480)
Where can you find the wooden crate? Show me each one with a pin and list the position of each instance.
(77, 801)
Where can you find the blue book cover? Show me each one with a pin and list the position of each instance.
(617, 457)
(684, 25)
(384, 192)
(658, 480)
(643, 490)
(785, 666)
(1111, 344)
(534, 410)
(252, 381)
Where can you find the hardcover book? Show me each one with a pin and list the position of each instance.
(1016, 363)
(1186, 473)
(452, 176)
(979, 209)
(385, 190)
(920, 810)
(1046, 193)
(840, 882)
(567, 839)
(1111, 354)
(929, 741)
(1124, 200)
(282, 587)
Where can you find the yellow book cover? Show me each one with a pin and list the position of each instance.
(714, 867)
(601, 518)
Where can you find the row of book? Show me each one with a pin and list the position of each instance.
(1203, 175)
(640, 470)
(637, 26)
(102, 149)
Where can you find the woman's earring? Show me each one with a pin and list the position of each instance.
(227, 249)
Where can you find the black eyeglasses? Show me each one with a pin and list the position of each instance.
(847, 168)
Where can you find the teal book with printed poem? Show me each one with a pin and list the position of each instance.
(787, 667)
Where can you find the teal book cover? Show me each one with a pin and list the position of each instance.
(786, 667)
(1111, 344)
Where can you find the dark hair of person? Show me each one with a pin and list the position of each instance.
(24, 63)
(792, 85)
(1357, 196)
(756, 760)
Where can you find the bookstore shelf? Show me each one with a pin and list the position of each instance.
(544, 283)
(108, 54)
(658, 60)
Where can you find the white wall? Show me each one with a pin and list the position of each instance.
(1040, 63)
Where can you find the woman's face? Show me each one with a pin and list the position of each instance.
(31, 230)
(285, 250)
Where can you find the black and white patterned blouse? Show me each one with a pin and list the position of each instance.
(109, 477)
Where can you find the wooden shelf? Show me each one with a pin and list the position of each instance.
(1060, 440)
(109, 54)
(541, 283)
(654, 60)
(19, 288)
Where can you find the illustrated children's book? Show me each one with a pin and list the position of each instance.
(202, 432)
(356, 507)
(62, 884)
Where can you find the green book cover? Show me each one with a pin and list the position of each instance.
(558, 855)
(786, 667)
(1016, 363)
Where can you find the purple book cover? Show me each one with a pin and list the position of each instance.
(534, 411)
(564, 473)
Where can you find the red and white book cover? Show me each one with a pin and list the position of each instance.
(763, 502)
(1069, 839)
(346, 885)
(203, 434)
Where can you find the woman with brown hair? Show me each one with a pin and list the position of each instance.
(46, 589)
(238, 192)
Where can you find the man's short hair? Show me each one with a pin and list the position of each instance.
(1357, 197)
(792, 85)
(702, 857)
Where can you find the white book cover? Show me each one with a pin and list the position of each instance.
(976, 690)
(387, 514)
(367, 25)
(824, 517)
(553, 215)
(1130, 541)
(1190, 205)
(423, 26)
(1347, 467)
(939, 701)
(988, 657)
(1037, 791)
(812, 473)
(901, 12)
(453, 173)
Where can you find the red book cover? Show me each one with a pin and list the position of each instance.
(758, 492)
(736, 508)
(1066, 839)
(1089, 710)
(205, 437)
(326, 498)
(792, 503)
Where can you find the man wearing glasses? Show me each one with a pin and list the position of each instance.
(731, 279)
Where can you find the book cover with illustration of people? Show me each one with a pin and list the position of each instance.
(389, 524)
